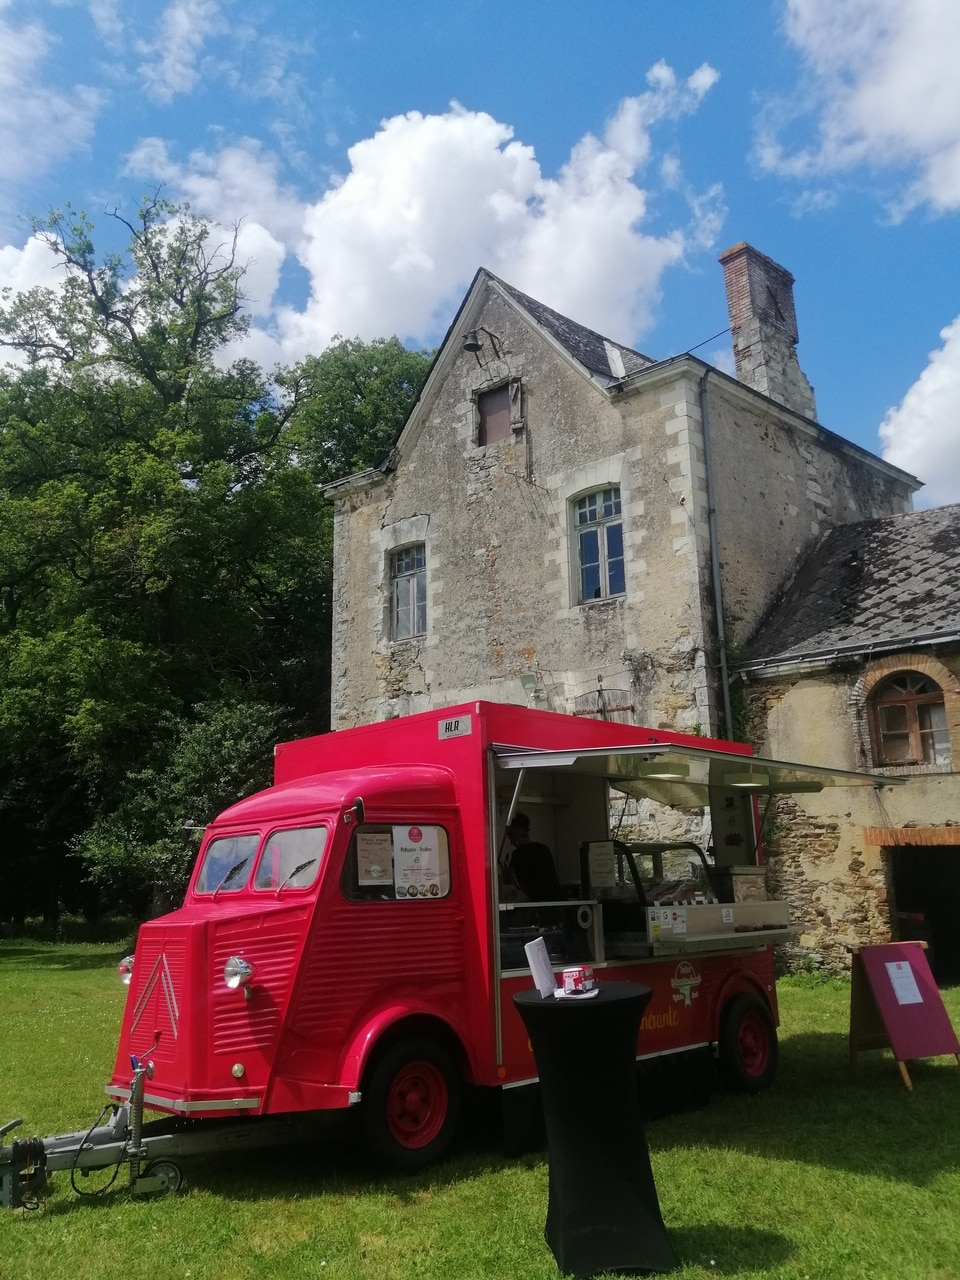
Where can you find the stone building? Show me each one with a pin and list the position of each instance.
(857, 666)
(569, 523)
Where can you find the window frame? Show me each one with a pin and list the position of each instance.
(913, 701)
(211, 878)
(602, 525)
(274, 844)
(363, 891)
(405, 580)
(514, 421)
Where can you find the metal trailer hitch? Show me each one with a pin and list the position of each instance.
(25, 1165)
(149, 1149)
(22, 1169)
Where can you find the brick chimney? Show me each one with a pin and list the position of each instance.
(764, 324)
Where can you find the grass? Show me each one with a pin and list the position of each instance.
(824, 1177)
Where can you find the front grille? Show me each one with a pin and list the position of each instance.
(158, 988)
(271, 943)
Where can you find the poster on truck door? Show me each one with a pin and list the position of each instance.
(416, 862)
(374, 857)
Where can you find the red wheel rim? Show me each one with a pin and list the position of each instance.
(417, 1104)
(753, 1044)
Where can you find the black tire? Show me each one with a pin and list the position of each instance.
(411, 1104)
(171, 1174)
(748, 1046)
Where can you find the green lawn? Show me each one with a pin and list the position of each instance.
(822, 1177)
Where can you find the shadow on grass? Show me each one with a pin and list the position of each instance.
(725, 1250)
(815, 1114)
(820, 1113)
(32, 956)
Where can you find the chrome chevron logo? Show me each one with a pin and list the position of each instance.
(160, 973)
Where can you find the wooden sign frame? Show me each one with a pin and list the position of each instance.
(895, 1004)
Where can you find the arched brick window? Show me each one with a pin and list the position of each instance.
(909, 721)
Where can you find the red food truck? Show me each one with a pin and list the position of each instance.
(347, 939)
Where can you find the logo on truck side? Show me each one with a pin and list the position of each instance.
(685, 982)
(160, 973)
(457, 727)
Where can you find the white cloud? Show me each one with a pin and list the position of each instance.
(882, 78)
(39, 124)
(393, 243)
(922, 434)
(33, 265)
(236, 185)
(105, 15)
(173, 56)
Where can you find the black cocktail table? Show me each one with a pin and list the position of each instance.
(602, 1212)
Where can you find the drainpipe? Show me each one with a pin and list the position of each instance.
(715, 556)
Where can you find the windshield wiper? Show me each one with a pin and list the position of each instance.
(295, 872)
(232, 874)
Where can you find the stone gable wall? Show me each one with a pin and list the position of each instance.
(501, 560)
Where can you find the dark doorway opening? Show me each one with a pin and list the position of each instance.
(926, 890)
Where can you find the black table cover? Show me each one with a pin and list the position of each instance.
(602, 1212)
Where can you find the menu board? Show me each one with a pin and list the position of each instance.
(895, 1003)
(374, 857)
(416, 862)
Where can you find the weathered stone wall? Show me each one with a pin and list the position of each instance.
(838, 896)
(827, 853)
(779, 481)
(501, 556)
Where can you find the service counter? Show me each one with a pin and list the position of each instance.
(607, 930)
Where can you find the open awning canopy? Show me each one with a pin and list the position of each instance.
(682, 776)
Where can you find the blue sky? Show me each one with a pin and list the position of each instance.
(599, 156)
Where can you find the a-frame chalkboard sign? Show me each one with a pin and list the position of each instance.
(895, 1004)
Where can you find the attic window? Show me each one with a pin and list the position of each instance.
(498, 412)
(910, 722)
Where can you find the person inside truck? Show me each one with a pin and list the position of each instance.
(529, 865)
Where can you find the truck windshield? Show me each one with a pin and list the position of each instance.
(291, 859)
(226, 864)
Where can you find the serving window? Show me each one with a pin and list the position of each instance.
(397, 862)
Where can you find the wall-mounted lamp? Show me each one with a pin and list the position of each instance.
(530, 684)
(473, 342)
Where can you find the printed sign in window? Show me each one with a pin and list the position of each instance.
(416, 863)
(602, 864)
(374, 857)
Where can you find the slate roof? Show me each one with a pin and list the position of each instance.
(878, 584)
(592, 349)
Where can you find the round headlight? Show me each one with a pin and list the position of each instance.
(237, 972)
(125, 970)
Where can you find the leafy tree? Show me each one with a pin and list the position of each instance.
(159, 313)
(165, 551)
(353, 401)
(159, 551)
(202, 763)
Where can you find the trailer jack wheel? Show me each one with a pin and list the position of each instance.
(168, 1174)
(748, 1044)
(411, 1104)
